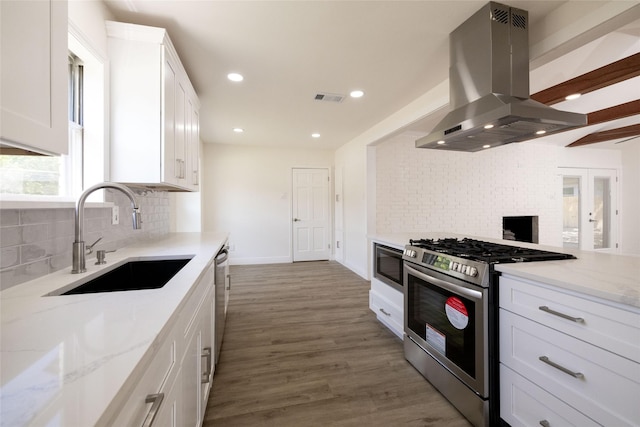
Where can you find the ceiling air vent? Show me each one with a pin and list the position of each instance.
(329, 97)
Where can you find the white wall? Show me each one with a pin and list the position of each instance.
(630, 193)
(247, 192)
(467, 193)
(352, 160)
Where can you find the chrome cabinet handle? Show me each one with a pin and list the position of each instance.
(545, 423)
(546, 360)
(206, 352)
(229, 282)
(564, 316)
(156, 399)
(384, 312)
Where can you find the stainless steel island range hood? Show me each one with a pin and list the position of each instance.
(489, 86)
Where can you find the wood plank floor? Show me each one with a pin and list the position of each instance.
(302, 348)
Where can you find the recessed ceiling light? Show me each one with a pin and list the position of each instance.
(356, 94)
(315, 135)
(541, 132)
(489, 126)
(486, 146)
(440, 142)
(235, 77)
(238, 130)
(572, 96)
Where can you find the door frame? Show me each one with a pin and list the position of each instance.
(586, 178)
(329, 220)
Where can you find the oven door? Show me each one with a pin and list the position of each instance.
(447, 318)
(388, 266)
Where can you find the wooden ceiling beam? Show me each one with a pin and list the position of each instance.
(607, 135)
(627, 109)
(607, 75)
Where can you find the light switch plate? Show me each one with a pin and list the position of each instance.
(115, 215)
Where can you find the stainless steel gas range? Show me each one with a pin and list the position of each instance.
(451, 318)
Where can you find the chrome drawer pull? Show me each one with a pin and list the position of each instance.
(206, 352)
(156, 399)
(564, 316)
(546, 360)
(545, 423)
(384, 312)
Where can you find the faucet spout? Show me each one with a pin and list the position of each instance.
(79, 259)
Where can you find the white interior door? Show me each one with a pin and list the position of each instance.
(590, 214)
(310, 214)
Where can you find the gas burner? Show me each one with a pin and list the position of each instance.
(488, 252)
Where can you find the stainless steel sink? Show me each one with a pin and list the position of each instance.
(150, 273)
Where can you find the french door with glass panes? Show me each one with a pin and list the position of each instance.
(590, 213)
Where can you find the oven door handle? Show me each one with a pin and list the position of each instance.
(457, 289)
(395, 253)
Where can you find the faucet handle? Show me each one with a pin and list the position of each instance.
(89, 248)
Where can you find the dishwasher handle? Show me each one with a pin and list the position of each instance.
(222, 256)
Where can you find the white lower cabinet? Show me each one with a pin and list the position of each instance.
(147, 398)
(525, 404)
(170, 414)
(197, 365)
(174, 387)
(388, 305)
(566, 360)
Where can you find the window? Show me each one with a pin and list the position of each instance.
(37, 176)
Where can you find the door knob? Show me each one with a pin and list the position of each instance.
(296, 219)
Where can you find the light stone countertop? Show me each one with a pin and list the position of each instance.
(64, 358)
(614, 278)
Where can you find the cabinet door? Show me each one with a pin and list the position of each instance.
(170, 411)
(181, 130)
(191, 376)
(34, 75)
(169, 161)
(208, 351)
(194, 148)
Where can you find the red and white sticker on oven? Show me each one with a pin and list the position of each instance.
(456, 312)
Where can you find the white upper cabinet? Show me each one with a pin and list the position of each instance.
(33, 72)
(152, 108)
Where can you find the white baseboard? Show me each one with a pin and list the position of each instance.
(358, 271)
(259, 260)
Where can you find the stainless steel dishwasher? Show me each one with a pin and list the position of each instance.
(223, 286)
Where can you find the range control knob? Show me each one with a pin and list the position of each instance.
(473, 272)
(410, 253)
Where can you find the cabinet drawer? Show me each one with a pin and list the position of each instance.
(612, 328)
(522, 403)
(389, 293)
(159, 373)
(605, 387)
(188, 313)
(389, 314)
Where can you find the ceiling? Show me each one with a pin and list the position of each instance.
(395, 51)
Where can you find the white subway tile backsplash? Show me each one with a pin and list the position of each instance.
(466, 193)
(9, 257)
(36, 242)
(9, 217)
